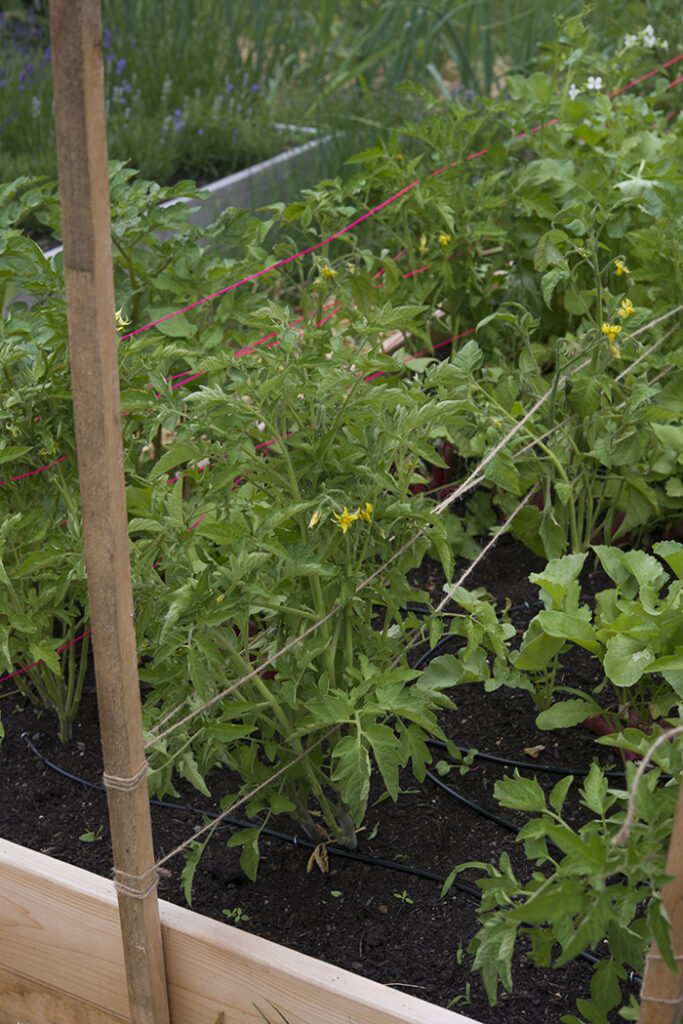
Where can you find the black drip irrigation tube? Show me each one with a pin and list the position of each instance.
(271, 833)
(331, 850)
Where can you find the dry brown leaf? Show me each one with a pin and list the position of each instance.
(318, 857)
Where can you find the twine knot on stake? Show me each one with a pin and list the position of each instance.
(126, 785)
(138, 886)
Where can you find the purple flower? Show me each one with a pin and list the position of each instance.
(229, 87)
(234, 134)
(177, 113)
(254, 88)
(120, 65)
(106, 39)
(200, 131)
(46, 55)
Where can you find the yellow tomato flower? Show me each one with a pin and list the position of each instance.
(626, 308)
(422, 247)
(611, 330)
(615, 350)
(444, 239)
(121, 322)
(621, 267)
(367, 512)
(346, 518)
(328, 272)
(315, 518)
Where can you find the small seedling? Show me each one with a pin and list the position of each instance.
(236, 915)
(403, 896)
(335, 892)
(92, 837)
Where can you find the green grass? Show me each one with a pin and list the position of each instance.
(194, 87)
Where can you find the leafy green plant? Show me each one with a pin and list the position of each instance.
(90, 836)
(464, 998)
(318, 516)
(41, 565)
(236, 915)
(635, 631)
(583, 888)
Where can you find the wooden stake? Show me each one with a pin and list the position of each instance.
(661, 997)
(77, 68)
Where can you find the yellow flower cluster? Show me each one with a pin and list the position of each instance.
(444, 239)
(121, 322)
(346, 518)
(611, 330)
(626, 308)
(621, 267)
(328, 272)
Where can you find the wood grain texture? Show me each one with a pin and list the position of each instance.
(26, 1001)
(662, 990)
(59, 926)
(81, 132)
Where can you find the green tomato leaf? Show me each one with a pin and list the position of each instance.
(248, 839)
(594, 790)
(559, 793)
(385, 750)
(352, 772)
(520, 794)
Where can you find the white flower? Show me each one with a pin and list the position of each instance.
(573, 92)
(594, 82)
(630, 41)
(36, 106)
(649, 36)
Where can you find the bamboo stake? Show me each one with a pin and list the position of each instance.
(76, 45)
(661, 997)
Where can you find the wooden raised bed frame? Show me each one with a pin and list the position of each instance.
(61, 962)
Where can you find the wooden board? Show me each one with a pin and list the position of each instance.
(61, 962)
(27, 1001)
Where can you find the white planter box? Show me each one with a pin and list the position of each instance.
(278, 178)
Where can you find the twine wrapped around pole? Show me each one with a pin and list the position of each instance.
(80, 121)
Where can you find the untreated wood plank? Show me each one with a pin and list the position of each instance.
(27, 1001)
(81, 133)
(661, 996)
(58, 924)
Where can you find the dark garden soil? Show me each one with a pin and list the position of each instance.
(388, 925)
